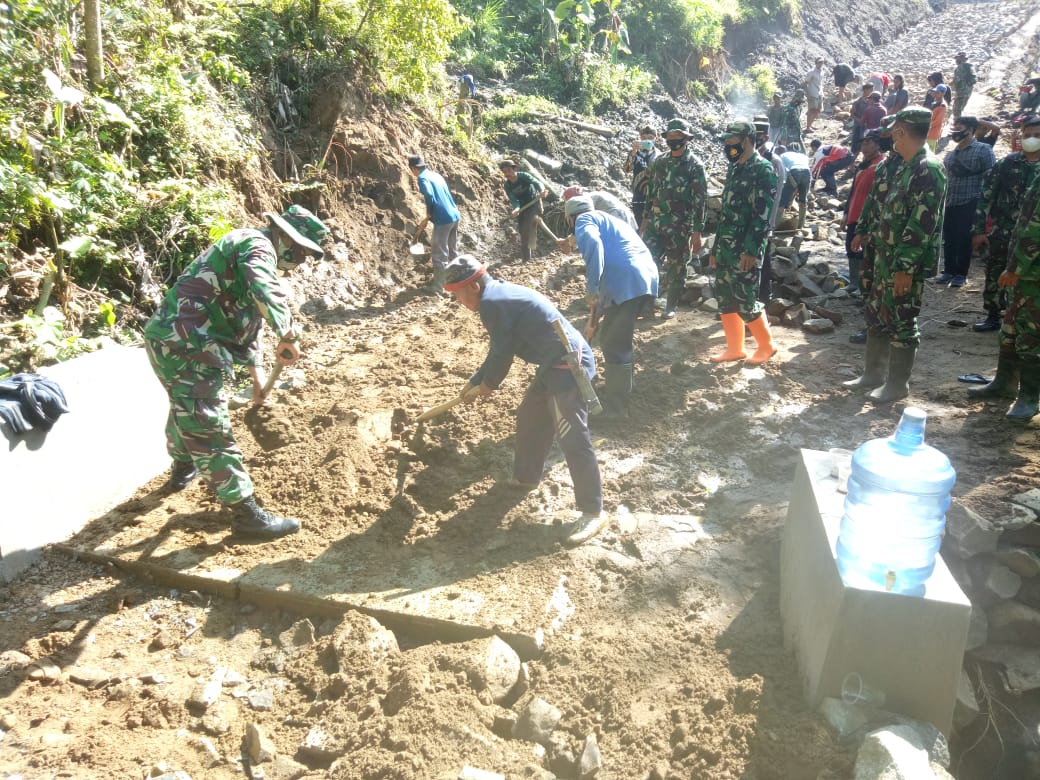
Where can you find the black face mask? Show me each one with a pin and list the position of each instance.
(959, 135)
(675, 144)
(733, 151)
(885, 144)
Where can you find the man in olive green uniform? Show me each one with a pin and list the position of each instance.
(791, 123)
(677, 192)
(210, 321)
(909, 220)
(525, 195)
(1018, 366)
(747, 205)
(1002, 193)
(963, 84)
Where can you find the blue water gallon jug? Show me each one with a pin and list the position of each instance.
(895, 510)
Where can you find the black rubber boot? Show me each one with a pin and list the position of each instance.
(900, 366)
(1025, 406)
(250, 519)
(182, 473)
(1005, 383)
(855, 271)
(988, 325)
(876, 365)
(671, 300)
(617, 387)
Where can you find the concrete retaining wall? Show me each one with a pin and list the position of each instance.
(96, 456)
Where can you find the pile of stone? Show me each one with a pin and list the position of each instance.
(996, 561)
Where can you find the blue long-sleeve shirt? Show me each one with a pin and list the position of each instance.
(440, 205)
(618, 266)
(519, 321)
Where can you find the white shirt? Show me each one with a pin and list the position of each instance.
(814, 83)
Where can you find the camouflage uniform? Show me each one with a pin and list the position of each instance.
(209, 322)
(963, 82)
(791, 127)
(1002, 193)
(1021, 325)
(677, 192)
(909, 222)
(747, 204)
(868, 226)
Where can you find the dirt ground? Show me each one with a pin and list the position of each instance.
(663, 635)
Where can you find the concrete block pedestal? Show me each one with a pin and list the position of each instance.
(911, 648)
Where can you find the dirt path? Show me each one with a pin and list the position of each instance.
(663, 635)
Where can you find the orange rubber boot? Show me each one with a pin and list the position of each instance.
(759, 328)
(733, 326)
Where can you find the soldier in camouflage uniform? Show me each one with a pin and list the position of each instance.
(963, 84)
(1002, 192)
(1018, 363)
(677, 192)
(791, 124)
(740, 243)
(909, 221)
(210, 321)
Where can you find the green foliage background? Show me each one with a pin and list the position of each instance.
(115, 187)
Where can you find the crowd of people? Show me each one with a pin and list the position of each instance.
(903, 205)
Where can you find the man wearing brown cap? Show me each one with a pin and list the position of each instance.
(525, 195)
(209, 322)
(909, 224)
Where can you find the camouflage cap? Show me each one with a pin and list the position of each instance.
(679, 125)
(872, 135)
(916, 115)
(886, 123)
(301, 227)
(743, 129)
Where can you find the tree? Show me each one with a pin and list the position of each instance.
(92, 32)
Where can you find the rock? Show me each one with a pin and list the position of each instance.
(810, 286)
(818, 325)
(795, 316)
(285, 768)
(205, 693)
(494, 666)
(931, 739)
(208, 750)
(709, 304)
(834, 203)
(364, 636)
(89, 677)
(844, 719)
(968, 533)
(892, 753)
(1015, 518)
(966, 708)
(163, 639)
(405, 684)
(1030, 499)
(320, 746)
(233, 679)
(1021, 666)
(562, 760)
(1029, 594)
(1011, 621)
(260, 700)
(472, 773)
(300, 634)
(1022, 561)
(834, 316)
(591, 761)
(978, 629)
(777, 306)
(994, 582)
(219, 718)
(537, 721)
(535, 772)
(259, 746)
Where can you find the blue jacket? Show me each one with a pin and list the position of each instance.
(519, 321)
(439, 204)
(618, 266)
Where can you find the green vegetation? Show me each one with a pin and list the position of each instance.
(759, 83)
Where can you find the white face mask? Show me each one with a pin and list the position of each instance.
(1031, 145)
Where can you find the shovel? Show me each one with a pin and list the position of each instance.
(403, 458)
(417, 248)
(240, 400)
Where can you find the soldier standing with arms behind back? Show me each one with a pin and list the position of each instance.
(747, 205)
(676, 197)
(963, 84)
(909, 220)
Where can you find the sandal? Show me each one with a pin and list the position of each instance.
(974, 379)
